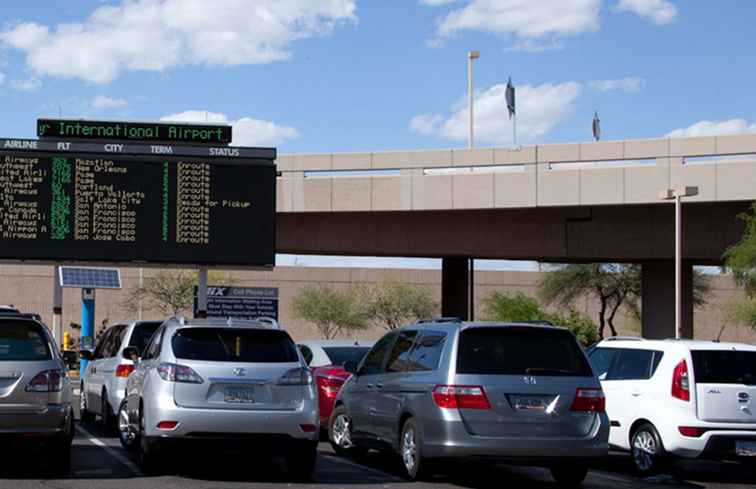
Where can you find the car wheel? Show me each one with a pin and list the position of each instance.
(84, 414)
(300, 462)
(149, 457)
(411, 452)
(647, 449)
(106, 414)
(340, 434)
(569, 475)
(125, 433)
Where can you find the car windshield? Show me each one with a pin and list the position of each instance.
(521, 351)
(339, 355)
(142, 334)
(234, 345)
(22, 341)
(724, 366)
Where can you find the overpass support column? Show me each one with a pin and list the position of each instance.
(456, 288)
(658, 299)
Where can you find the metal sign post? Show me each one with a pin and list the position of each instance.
(87, 320)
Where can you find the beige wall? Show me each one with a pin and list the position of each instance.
(30, 288)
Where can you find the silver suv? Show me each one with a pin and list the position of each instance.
(103, 385)
(447, 389)
(35, 397)
(222, 384)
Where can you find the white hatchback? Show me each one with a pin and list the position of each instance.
(678, 398)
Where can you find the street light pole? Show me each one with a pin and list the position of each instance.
(471, 55)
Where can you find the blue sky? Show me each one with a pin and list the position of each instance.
(349, 75)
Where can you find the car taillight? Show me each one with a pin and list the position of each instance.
(691, 431)
(124, 370)
(170, 372)
(461, 397)
(47, 381)
(329, 384)
(680, 382)
(296, 376)
(167, 425)
(590, 400)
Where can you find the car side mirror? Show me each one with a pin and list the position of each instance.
(131, 353)
(87, 355)
(350, 366)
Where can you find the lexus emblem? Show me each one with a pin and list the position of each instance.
(743, 396)
(239, 372)
(529, 380)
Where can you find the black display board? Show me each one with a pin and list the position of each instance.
(68, 206)
(225, 301)
(134, 131)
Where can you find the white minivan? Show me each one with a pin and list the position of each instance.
(678, 398)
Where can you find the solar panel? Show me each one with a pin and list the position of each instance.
(90, 278)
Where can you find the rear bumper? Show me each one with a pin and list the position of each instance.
(52, 420)
(713, 444)
(255, 444)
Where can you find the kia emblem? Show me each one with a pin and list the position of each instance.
(743, 396)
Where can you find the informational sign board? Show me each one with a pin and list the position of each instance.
(134, 131)
(240, 302)
(138, 204)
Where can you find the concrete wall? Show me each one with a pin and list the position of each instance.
(30, 288)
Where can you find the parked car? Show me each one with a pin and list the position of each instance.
(35, 396)
(327, 358)
(447, 389)
(225, 383)
(678, 398)
(103, 385)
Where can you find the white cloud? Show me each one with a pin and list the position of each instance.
(246, 131)
(27, 85)
(714, 128)
(656, 11)
(629, 84)
(2, 78)
(103, 102)
(539, 109)
(155, 35)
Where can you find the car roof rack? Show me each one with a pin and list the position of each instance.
(447, 319)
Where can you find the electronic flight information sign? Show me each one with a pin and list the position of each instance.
(137, 203)
(134, 131)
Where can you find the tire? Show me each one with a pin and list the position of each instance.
(300, 462)
(84, 415)
(126, 434)
(414, 465)
(106, 414)
(569, 475)
(340, 434)
(647, 450)
(150, 460)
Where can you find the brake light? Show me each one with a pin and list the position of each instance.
(329, 385)
(680, 382)
(170, 372)
(308, 428)
(124, 370)
(461, 397)
(47, 381)
(691, 431)
(296, 376)
(167, 425)
(589, 400)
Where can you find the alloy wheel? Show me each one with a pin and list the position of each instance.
(124, 430)
(644, 450)
(409, 450)
(341, 431)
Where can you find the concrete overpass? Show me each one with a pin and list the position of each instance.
(561, 203)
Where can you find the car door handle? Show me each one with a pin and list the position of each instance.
(379, 385)
(637, 394)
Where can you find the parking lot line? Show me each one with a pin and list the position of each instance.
(110, 451)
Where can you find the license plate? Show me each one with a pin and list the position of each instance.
(745, 448)
(239, 395)
(530, 403)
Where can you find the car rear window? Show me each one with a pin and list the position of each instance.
(142, 334)
(22, 341)
(234, 345)
(521, 351)
(339, 355)
(724, 366)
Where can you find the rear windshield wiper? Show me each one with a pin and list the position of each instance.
(548, 371)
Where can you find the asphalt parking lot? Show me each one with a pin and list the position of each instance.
(100, 462)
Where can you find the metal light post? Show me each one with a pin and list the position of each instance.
(677, 195)
(471, 55)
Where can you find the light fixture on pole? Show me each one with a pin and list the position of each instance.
(471, 55)
(677, 195)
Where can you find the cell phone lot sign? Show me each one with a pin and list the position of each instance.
(240, 302)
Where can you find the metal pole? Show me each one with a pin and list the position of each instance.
(141, 290)
(514, 130)
(470, 97)
(57, 306)
(202, 294)
(678, 264)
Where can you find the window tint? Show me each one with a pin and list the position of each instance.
(373, 362)
(398, 360)
(113, 344)
(23, 341)
(153, 347)
(724, 367)
(306, 354)
(342, 354)
(426, 352)
(141, 335)
(234, 345)
(104, 339)
(632, 364)
(521, 351)
(601, 360)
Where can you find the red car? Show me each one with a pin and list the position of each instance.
(326, 358)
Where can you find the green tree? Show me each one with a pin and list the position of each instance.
(741, 311)
(393, 304)
(741, 257)
(331, 311)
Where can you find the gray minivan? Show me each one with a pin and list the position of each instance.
(447, 389)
